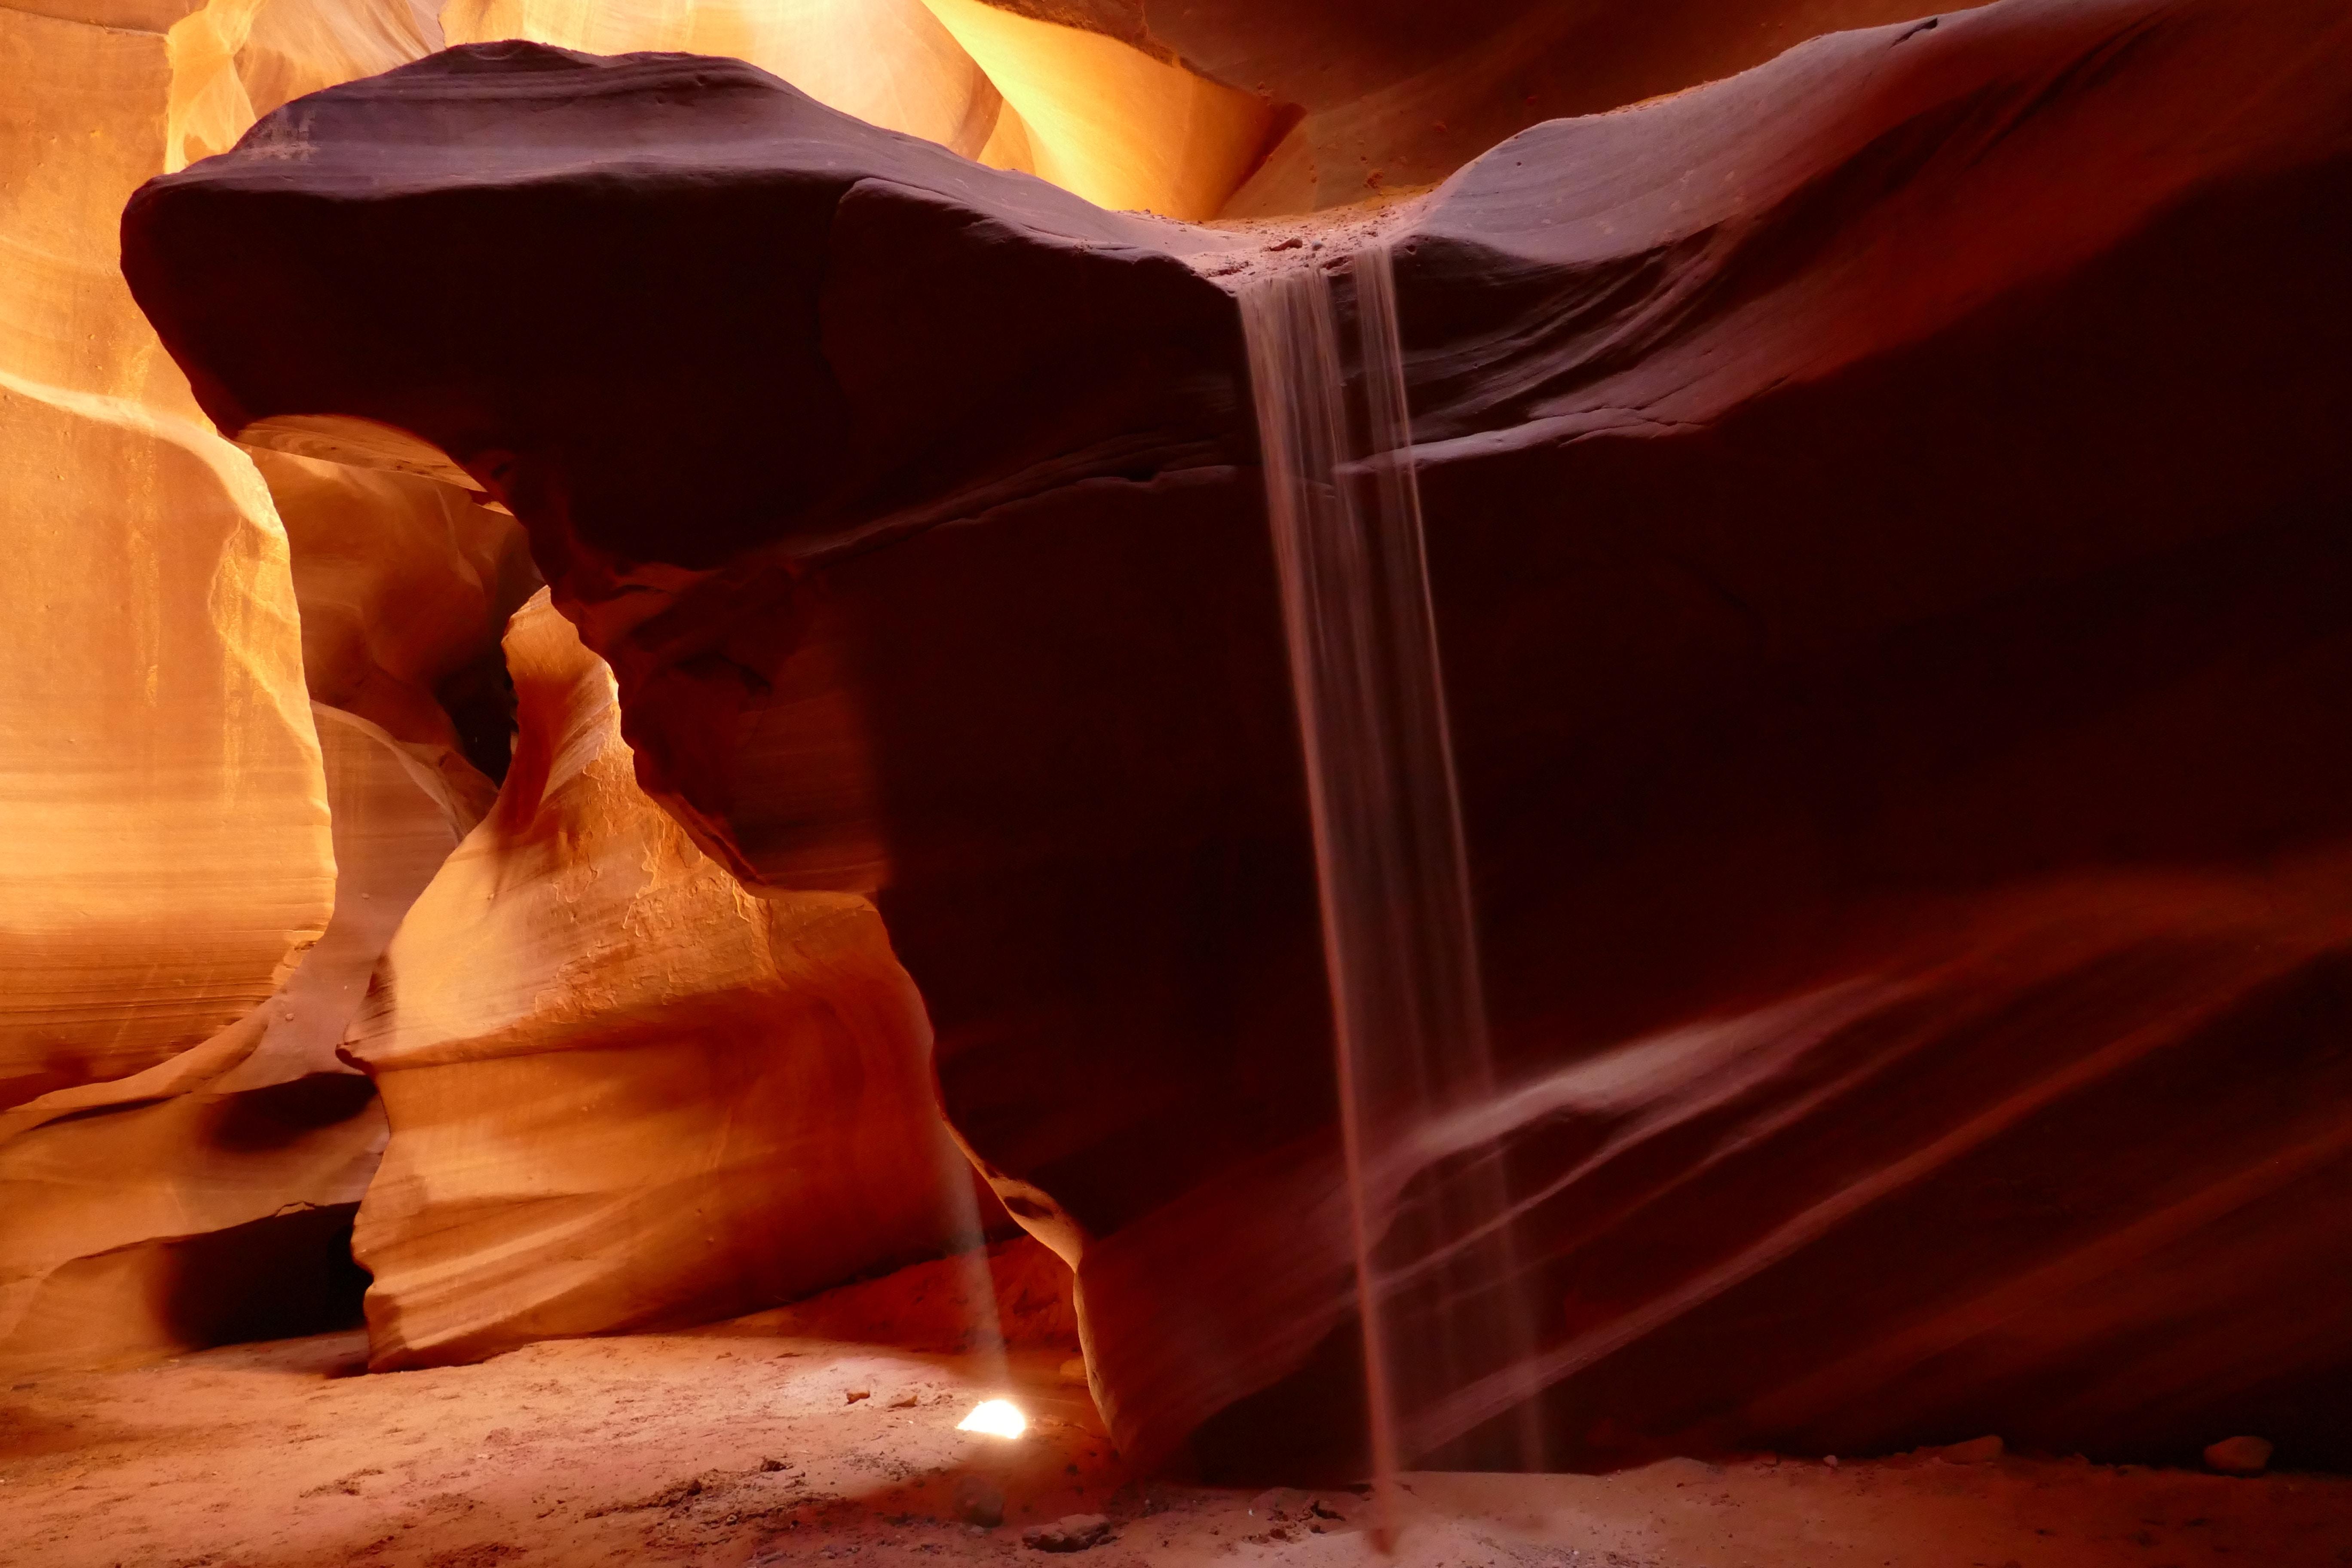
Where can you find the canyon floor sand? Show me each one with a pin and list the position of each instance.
(737, 1445)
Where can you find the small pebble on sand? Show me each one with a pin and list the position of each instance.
(1975, 1451)
(979, 1502)
(1071, 1532)
(2240, 1455)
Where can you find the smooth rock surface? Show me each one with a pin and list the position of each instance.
(1123, 126)
(625, 1092)
(179, 1151)
(210, 1198)
(1399, 93)
(159, 771)
(404, 586)
(1886, 515)
(888, 62)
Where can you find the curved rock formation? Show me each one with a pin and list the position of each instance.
(158, 773)
(180, 1149)
(160, 776)
(210, 1198)
(1123, 126)
(625, 1092)
(1400, 93)
(1886, 515)
(233, 61)
(405, 585)
(888, 62)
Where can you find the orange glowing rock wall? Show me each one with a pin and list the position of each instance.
(163, 787)
(624, 1089)
(159, 778)
(405, 585)
(159, 771)
(210, 1198)
(247, 689)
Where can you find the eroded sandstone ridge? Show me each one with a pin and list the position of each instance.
(1888, 516)
(161, 960)
(210, 1198)
(164, 786)
(180, 1151)
(1397, 93)
(625, 1092)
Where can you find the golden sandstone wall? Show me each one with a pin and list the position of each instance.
(161, 777)
(234, 694)
(624, 1089)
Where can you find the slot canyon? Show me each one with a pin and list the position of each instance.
(1547, 783)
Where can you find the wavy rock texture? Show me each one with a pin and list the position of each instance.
(1124, 126)
(158, 773)
(158, 765)
(888, 62)
(161, 781)
(1381, 94)
(1886, 515)
(210, 1198)
(625, 1090)
(234, 60)
(405, 585)
(180, 1150)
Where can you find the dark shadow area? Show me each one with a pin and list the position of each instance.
(278, 1114)
(281, 1277)
(479, 698)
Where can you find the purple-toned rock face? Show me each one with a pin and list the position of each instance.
(779, 390)
(1887, 519)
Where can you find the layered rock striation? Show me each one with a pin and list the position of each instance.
(159, 772)
(1385, 94)
(210, 1198)
(1885, 519)
(180, 1152)
(625, 1092)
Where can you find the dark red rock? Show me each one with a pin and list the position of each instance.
(658, 211)
(1887, 517)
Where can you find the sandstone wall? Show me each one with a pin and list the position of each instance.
(624, 1089)
(1886, 525)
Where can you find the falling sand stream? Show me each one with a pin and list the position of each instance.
(1435, 1275)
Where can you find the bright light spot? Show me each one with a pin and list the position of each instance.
(997, 1417)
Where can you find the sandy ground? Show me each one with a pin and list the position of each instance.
(740, 1445)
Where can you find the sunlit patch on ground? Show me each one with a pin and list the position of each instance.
(995, 1418)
